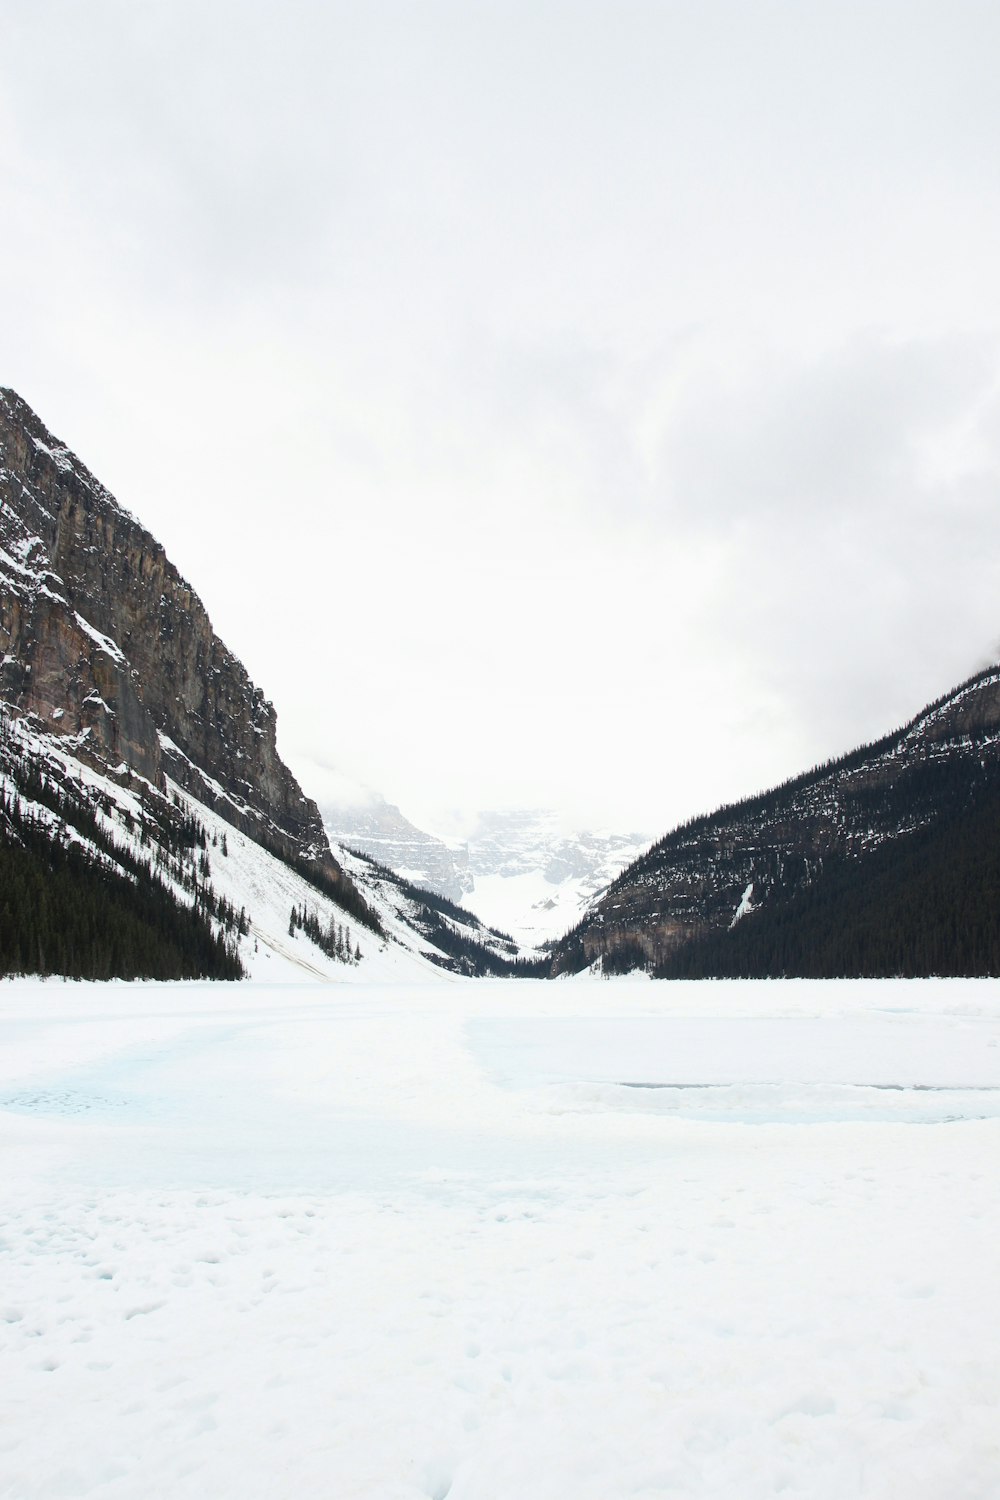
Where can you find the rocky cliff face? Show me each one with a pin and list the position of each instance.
(714, 871)
(109, 647)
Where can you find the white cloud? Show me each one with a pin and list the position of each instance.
(592, 405)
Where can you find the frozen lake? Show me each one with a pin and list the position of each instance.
(500, 1241)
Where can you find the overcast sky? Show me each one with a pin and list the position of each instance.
(591, 405)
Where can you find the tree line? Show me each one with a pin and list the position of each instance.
(928, 903)
(332, 938)
(65, 909)
(76, 901)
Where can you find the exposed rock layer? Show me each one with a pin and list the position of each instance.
(107, 644)
(378, 828)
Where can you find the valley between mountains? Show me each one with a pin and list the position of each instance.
(401, 1218)
(149, 827)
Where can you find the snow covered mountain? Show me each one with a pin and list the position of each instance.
(886, 861)
(149, 828)
(111, 649)
(533, 878)
(378, 828)
(147, 824)
(522, 872)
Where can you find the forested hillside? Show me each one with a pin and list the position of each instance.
(927, 905)
(877, 863)
(76, 901)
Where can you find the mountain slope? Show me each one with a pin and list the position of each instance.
(75, 900)
(531, 876)
(453, 937)
(148, 827)
(927, 904)
(108, 646)
(520, 871)
(379, 829)
(713, 889)
(173, 890)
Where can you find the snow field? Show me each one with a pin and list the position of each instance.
(529, 907)
(267, 888)
(382, 1242)
(247, 876)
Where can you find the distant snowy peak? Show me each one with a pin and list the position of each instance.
(529, 841)
(520, 872)
(377, 828)
(533, 878)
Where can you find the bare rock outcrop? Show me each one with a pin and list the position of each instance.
(106, 643)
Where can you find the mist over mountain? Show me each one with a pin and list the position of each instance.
(533, 877)
(378, 828)
(149, 826)
(521, 871)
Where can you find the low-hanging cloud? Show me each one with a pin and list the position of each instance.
(592, 404)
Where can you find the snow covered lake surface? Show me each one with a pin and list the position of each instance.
(500, 1241)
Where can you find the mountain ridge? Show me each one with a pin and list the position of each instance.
(719, 869)
(521, 870)
(132, 731)
(107, 643)
(143, 804)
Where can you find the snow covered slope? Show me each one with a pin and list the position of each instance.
(282, 921)
(523, 872)
(247, 893)
(376, 827)
(534, 878)
(139, 763)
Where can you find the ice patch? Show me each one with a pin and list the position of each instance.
(744, 907)
(354, 1252)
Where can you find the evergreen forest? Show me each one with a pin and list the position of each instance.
(76, 903)
(927, 903)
